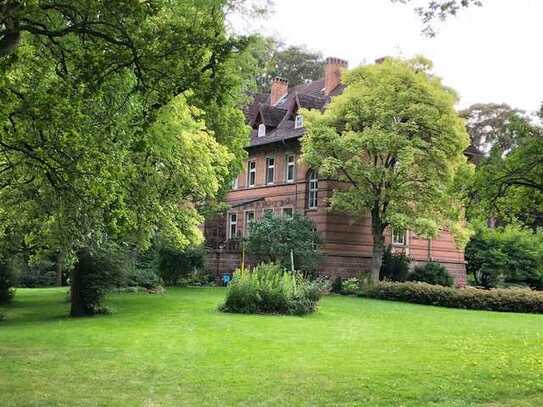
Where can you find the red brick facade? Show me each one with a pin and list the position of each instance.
(274, 179)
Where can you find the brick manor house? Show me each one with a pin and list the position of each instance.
(274, 180)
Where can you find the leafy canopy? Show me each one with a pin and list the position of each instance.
(116, 119)
(395, 141)
(274, 237)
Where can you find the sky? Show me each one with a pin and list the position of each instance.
(487, 54)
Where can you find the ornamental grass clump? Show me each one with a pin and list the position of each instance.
(269, 289)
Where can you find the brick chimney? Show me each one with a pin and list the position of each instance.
(332, 73)
(279, 89)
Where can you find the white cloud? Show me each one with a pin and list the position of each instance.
(488, 54)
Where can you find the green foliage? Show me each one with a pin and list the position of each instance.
(296, 64)
(269, 289)
(395, 266)
(432, 273)
(396, 142)
(507, 185)
(34, 273)
(504, 300)
(7, 290)
(178, 265)
(108, 131)
(273, 238)
(351, 286)
(505, 256)
(490, 126)
(337, 285)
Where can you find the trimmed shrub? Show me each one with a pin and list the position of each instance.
(503, 300)
(395, 266)
(272, 239)
(432, 273)
(337, 285)
(7, 292)
(177, 265)
(269, 289)
(42, 274)
(505, 257)
(351, 286)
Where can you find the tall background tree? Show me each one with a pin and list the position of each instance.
(118, 120)
(491, 126)
(295, 63)
(395, 141)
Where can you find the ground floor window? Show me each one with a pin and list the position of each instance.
(399, 237)
(249, 218)
(232, 226)
(312, 189)
(288, 211)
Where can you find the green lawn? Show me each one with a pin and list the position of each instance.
(177, 349)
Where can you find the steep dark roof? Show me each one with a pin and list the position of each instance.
(279, 118)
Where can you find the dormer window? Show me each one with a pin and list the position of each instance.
(261, 130)
(299, 121)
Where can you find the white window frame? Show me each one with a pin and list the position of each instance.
(298, 121)
(261, 130)
(246, 222)
(235, 183)
(289, 165)
(313, 190)
(287, 208)
(268, 167)
(231, 223)
(251, 171)
(399, 242)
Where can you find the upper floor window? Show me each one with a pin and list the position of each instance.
(261, 130)
(232, 225)
(290, 167)
(312, 189)
(251, 173)
(249, 218)
(399, 237)
(270, 170)
(235, 183)
(298, 121)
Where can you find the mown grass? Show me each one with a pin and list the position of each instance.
(177, 349)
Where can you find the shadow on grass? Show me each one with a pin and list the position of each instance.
(30, 307)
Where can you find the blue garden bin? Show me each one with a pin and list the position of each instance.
(226, 278)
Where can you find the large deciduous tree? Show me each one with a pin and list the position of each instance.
(508, 185)
(296, 64)
(491, 126)
(117, 120)
(396, 143)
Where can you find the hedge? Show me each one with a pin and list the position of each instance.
(503, 300)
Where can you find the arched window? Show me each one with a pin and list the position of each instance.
(312, 189)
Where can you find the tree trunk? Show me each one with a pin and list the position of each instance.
(377, 230)
(78, 308)
(60, 268)
(377, 256)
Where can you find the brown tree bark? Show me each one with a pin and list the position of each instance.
(377, 230)
(78, 307)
